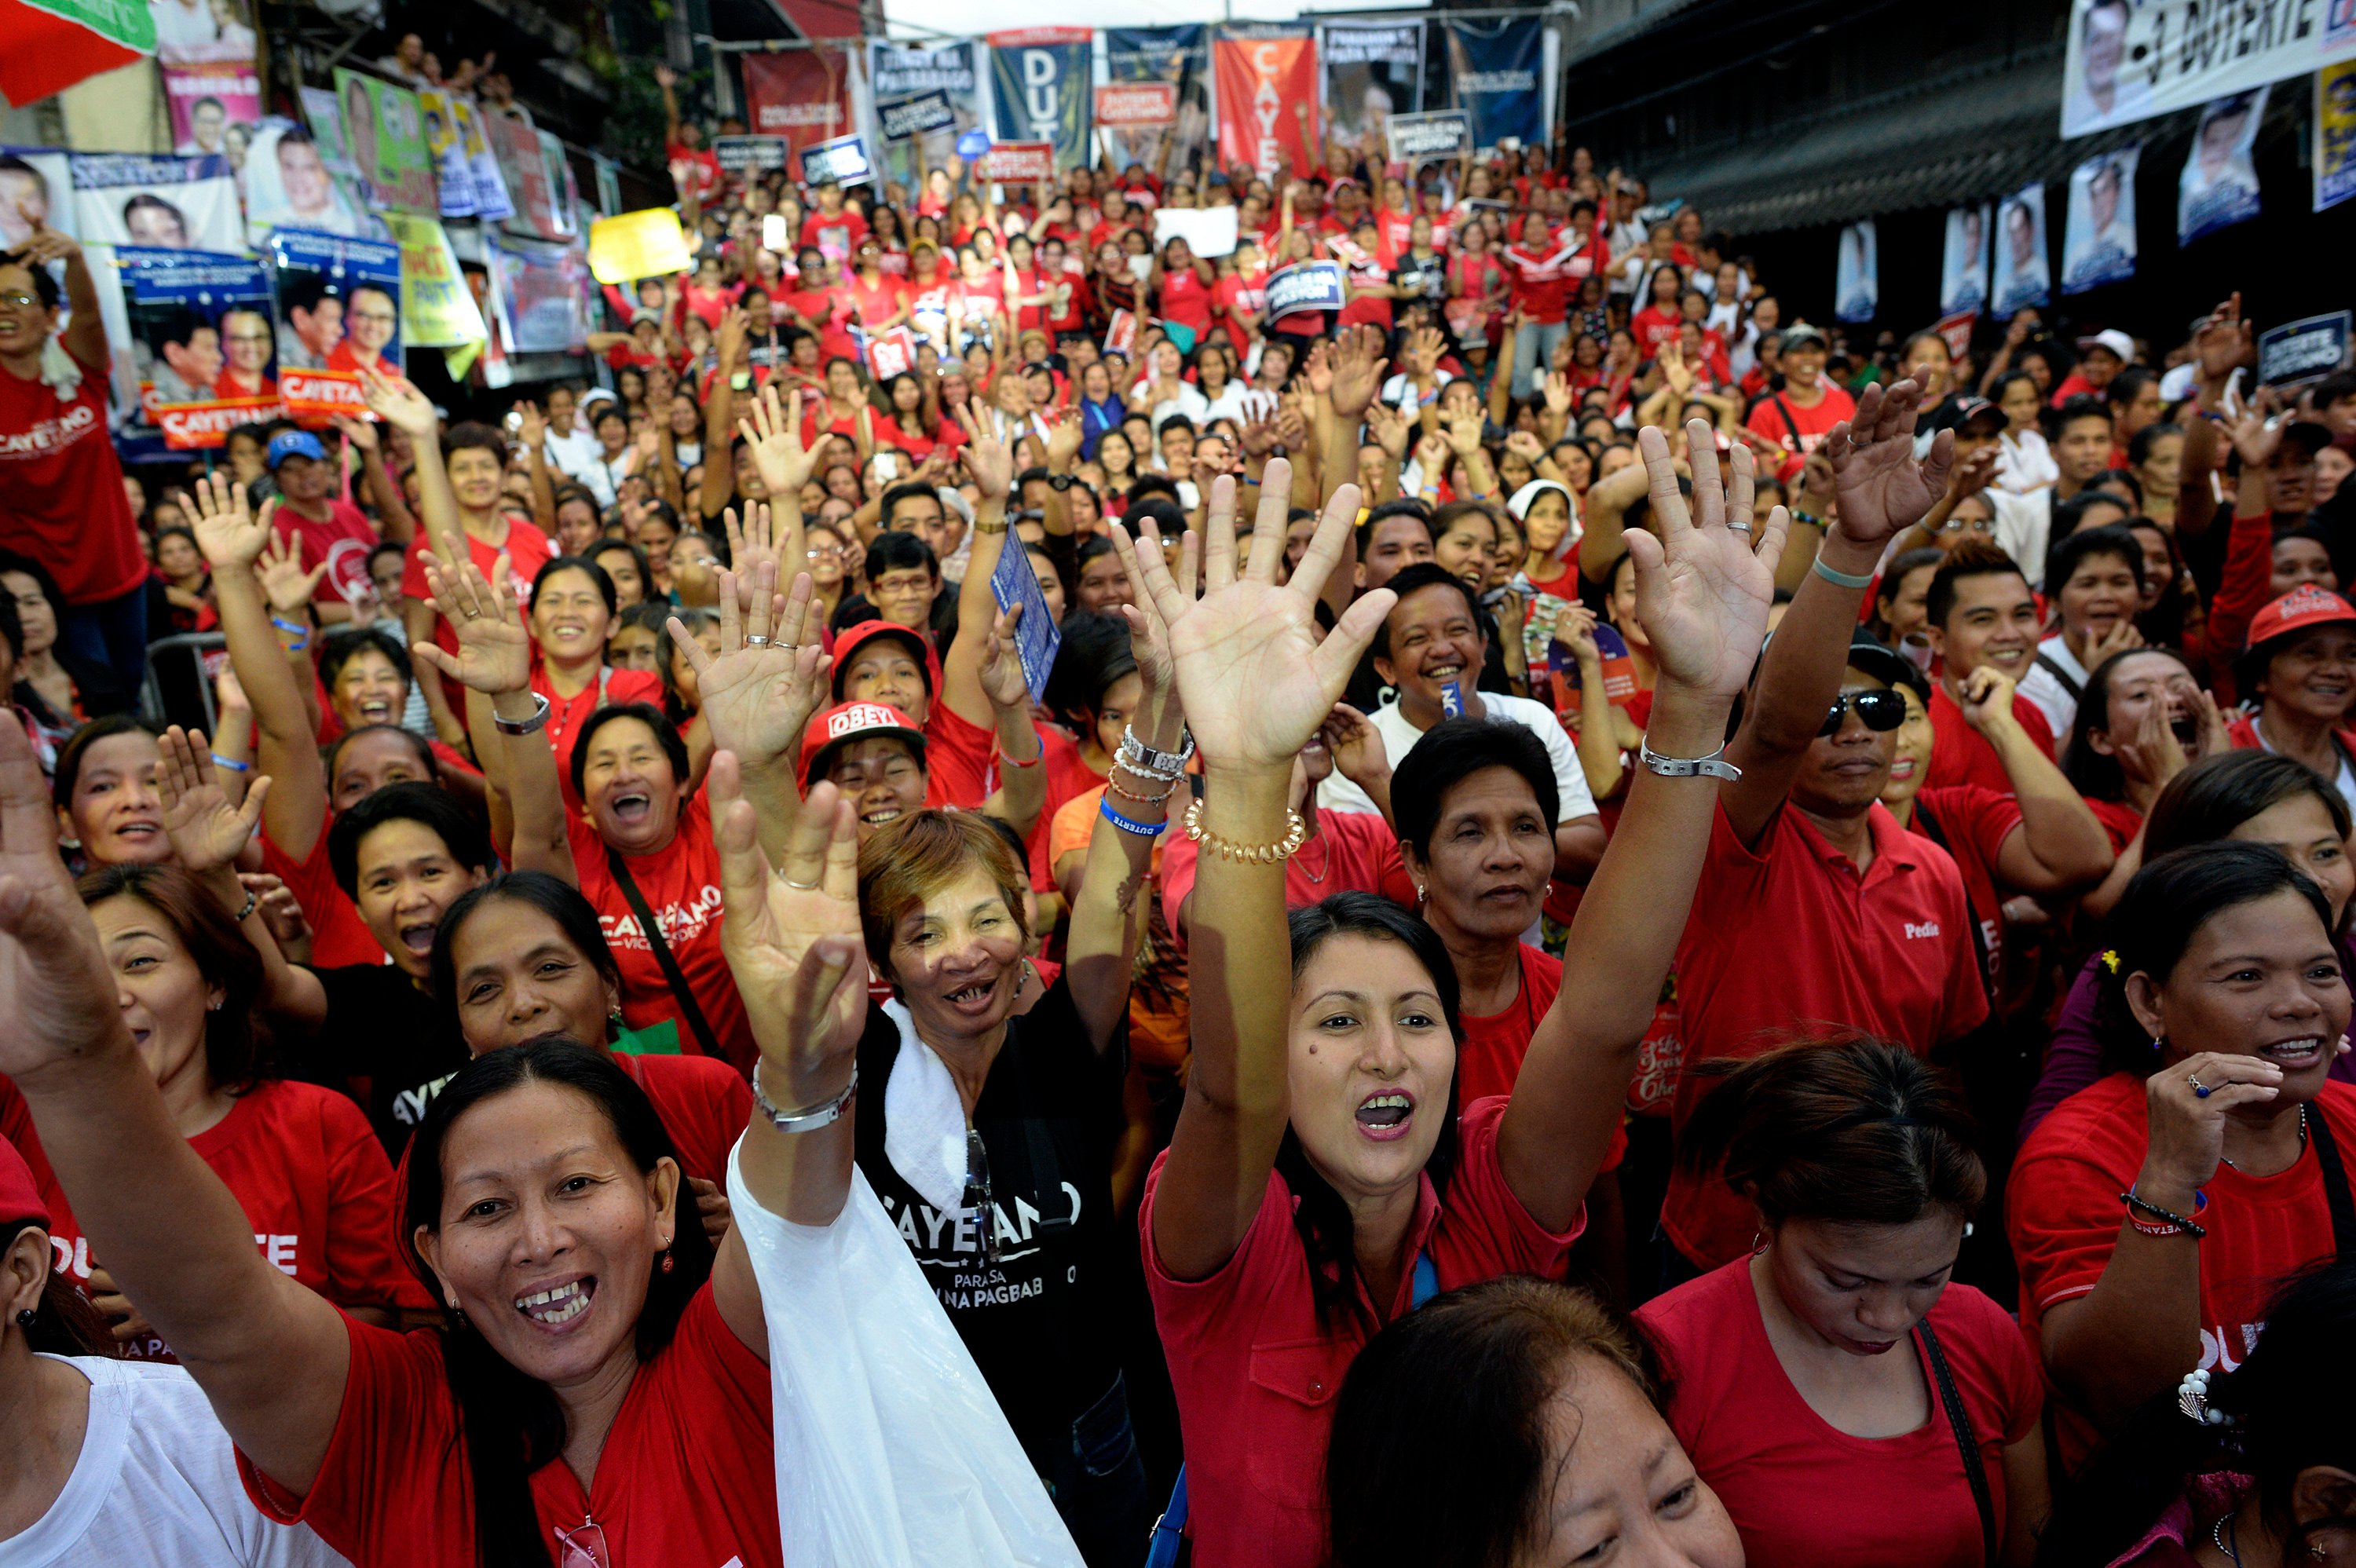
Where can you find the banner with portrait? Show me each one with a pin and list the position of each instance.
(34, 183)
(899, 73)
(165, 203)
(213, 106)
(1962, 263)
(537, 295)
(339, 308)
(1495, 70)
(190, 32)
(203, 349)
(1041, 85)
(1365, 75)
(454, 175)
(325, 116)
(491, 203)
(385, 135)
(1856, 273)
(2023, 276)
(2098, 238)
(290, 183)
(2130, 60)
(2219, 186)
(436, 301)
(1180, 56)
(803, 95)
(1266, 79)
(523, 173)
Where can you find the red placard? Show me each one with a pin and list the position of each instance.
(194, 427)
(1019, 163)
(311, 396)
(1268, 102)
(1131, 105)
(892, 353)
(802, 95)
(1957, 330)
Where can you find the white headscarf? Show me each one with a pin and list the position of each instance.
(1520, 502)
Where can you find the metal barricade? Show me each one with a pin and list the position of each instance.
(178, 685)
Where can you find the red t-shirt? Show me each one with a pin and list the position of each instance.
(567, 715)
(703, 179)
(1962, 755)
(2063, 1212)
(686, 1476)
(339, 938)
(877, 303)
(957, 759)
(1973, 825)
(1769, 1455)
(61, 499)
(1816, 421)
(1256, 1373)
(1360, 855)
(1237, 293)
(527, 549)
(343, 541)
(1544, 280)
(1186, 300)
(702, 1104)
(2119, 819)
(1490, 1059)
(836, 235)
(681, 884)
(1654, 328)
(311, 1177)
(829, 310)
(1887, 953)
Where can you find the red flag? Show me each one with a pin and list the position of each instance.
(1268, 103)
(802, 95)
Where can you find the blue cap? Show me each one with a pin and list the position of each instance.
(289, 443)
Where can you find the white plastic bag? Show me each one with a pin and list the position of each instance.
(891, 1450)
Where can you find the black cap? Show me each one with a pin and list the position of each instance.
(1970, 409)
(1800, 332)
(1884, 663)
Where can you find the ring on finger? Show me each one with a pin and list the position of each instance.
(1740, 527)
(2199, 1091)
(755, 640)
(797, 887)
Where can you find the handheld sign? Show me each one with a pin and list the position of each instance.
(1441, 133)
(973, 144)
(1304, 285)
(1036, 635)
(906, 118)
(2303, 350)
(842, 161)
(1136, 105)
(645, 244)
(1019, 163)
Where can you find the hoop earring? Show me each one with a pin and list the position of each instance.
(1757, 1243)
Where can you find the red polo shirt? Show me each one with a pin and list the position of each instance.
(1962, 755)
(1786, 939)
(1256, 1373)
(1972, 824)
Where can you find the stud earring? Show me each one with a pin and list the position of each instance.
(24, 1317)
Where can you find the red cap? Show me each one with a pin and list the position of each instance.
(848, 721)
(20, 1199)
(2304, 606)
(849, 640)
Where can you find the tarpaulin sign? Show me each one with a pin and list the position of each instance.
(1267, 100)
(1180, 56)
(1493, 72)
(2304, 350)
(644, 244)
(1305, 285)
(750, 155)
(205, 99)
(1369, 73)
(802, 95)
(909, 118)
(433, 290)
(453, 171)
(1039, 88)
(339, 307)
(2128, 62)
(202, 343)
(842, 161)
(491, 203)
(1415, 138)
(2098, 238)
(385, 132)
(2219, 186)
(538, 296)
(1136, 105)
(2335, 134)
(1018, 163)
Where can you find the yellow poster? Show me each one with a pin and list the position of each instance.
(2335, 134)
(435, 302)
(647, 244)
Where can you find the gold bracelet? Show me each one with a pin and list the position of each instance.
(988, 529)
(1260, 853)
(1163, 799)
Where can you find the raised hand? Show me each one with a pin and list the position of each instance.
(1464, 433)
(397, 402)
(206, 832)
(1063, 438)
(1975, 473)
(531, 425)
(1526, 444)
(1882, 487)
(759, 691)
(1354, 744)
(56, 989)
(1318, 369)
(360, 432)
(279, 570)
(2224, 342)
(494, 650)
(987, 455)
(735, 327)
(774, 435)
(227, 531)
(1987, 699)
(1255, 680)
(1002, 680)
(753, 542)
(1574, 628)
(44, 244)
(1359, 366)
(1148, 634)
(1556, 388)
(1702, 591)
(1388, 429)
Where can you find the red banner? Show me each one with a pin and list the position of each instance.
(1125, 105)
(1018, 163)
(194, 427)
(1268, 103)
(803, 95)
(313, 397)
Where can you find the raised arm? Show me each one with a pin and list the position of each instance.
(1603, 520)
(991, 461)
(85, 334)
(719, 470)
(761, 688)
(1702, 596)
(1255, 684)
(394, 520)
(2061, 846)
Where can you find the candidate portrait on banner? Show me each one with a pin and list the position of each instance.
(2099, 237)
(2219, 186)
(1963, 269)
(2023, 276)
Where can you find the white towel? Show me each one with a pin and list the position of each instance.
(59, 370)
(924, 1119)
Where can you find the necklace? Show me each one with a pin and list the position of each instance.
(2217, 1535)
(2302, 1143)
(1324, 864)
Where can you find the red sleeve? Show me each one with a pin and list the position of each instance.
(2032, 718)
(1981, 816)
(1966, 1006)
(2241, 592)
(634, 685)
(2061, 1204)
(365, 1267)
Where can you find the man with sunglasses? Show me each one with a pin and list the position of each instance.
(1816, 910)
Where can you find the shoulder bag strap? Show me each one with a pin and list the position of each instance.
(1791, 425)
(690, 1008)
(1967, 1442)
(2071, 683)
(2335, 1183)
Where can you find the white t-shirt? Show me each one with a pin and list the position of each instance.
(2043, 688)
(155, 1486)
(579, 454)
(1574, 799)
(2024, 524)
(2026, 464)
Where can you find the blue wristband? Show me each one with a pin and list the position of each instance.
(1841, 579)
(1142, 829)
(231, 763)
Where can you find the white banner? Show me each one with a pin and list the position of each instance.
(2130, 60)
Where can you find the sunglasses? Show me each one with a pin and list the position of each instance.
(1879, 711)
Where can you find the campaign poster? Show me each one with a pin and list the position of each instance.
(903, 120)
(803, 95)
(1304, 285)
(338, 309)
(325, 116)
(189, 32)
(1856, 273)
(1442, 133)
(523, 174)
(1366, 74)
(1179, 56)
(452, 174)
(385, 135)
(2219, 186)
(2334, 153)
(213, 107)
(742, 155)
(1041, 88)
(2296, 352)
(2022, 277)
(842, 161)
(1017, 162)
(437, 305)
(905, 74)
(2098, 239)
(1964, 265)
(537, 295)
(1495, 69)
(2130, 60)
(1267, 80)
(165, 203)
(203, 347)
(290, 183)
(35, 185)
(491, 203)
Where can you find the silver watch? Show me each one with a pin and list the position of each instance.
(1714, 766)
(810, 1121)
(523, 726)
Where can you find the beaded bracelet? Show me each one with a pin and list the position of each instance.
(1023, 762)
(2173, 1224)
(1259, 854)
(1168, 790)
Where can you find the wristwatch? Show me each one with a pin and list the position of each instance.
(1714, 766)
(1059, 482)
(523, 726)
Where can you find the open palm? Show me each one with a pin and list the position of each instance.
(1702, 593)
(206, 831)
(758, 696)
(773, 435)
(1882, 487)
(494, 650)
(55, 988)
(227, 531)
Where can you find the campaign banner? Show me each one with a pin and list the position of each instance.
(1133, 105)
(198, 31)
(1304, 285)
(1039, 79)
(1209, 231)
(537, 295)
(897, 73)
(290, 184)
(2130, 60)
(803, 95)
(1963, 265)
(491, 203)
(339, 307)
(523, 173)
(34, 183)
(1179, 56)
(1267, 80)
(163, 203)
(201, 343)
(452, 174)
(2219, 186)
(1120, 333)
(1412, 139)
(2098, 238)
(1493, 70)
(2304, 350)
(325, 116)
(1017, 162)
(905, 119)
(742, 155)
(1365, 74)
(212, 105)
(385, 134)
(2023, 278)
(842, 161)
(2335, 134)
(435, 298)
(1856, 273)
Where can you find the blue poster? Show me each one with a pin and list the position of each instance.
(1180, 56)
(1040, 83)
(1304, 285)
(201, 346)
(1493, 70)
(1036, 635)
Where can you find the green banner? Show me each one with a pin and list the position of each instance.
(385, 132)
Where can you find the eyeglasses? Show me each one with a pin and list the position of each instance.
(1879, 711)
(1978, 525)
(977, 1193)
(18, 298)
(583, 1546)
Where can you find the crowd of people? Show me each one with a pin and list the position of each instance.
(661, 804)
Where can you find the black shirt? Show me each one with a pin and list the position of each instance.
(1043, 1321)
(382, 1030)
